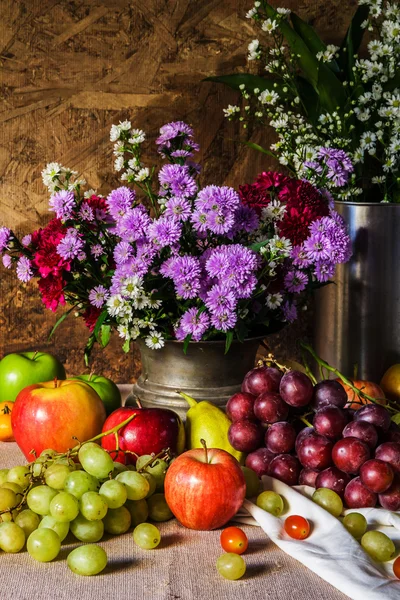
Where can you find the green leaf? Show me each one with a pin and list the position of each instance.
(186, 343)
(59, 321)
(100, 320)
(251, 82)
(105, 334)
(241, 331)
(311, 39)
(229, 340)
(258, 245)
(126, 346)
(332, 94)
(88, 349)
(352, 41)
(393, 83)
(396, 418)
(258, 148)
(309, 98)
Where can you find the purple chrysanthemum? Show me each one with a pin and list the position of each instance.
(246, 288)
(324, 270)
(232, 264)
(5, 235)
(133, 225)
(177, 180)
(70, 246)
(194, 323)
(26, 240)
(178, 208)
(216, 198)
(289, 310)
(220, 299)
(98, 295)
(220, 222)
(97, 250)
(169, 131)
(300, 257)
(246, 219)
(317, 247)
(295, 281)
(119, 201)
(122, 252)
(164, 232)
(224, 321)
(7, 261)
(314, 166)
(199, 221)
(63, 204)
(24, 269)
(339, 165)
(86, 212)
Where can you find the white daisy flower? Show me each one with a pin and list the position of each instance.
(268, 97)
(155, 341)
(137, 136)
(274, 300)
(142, 174)
(119, 163)
(231, 110)
(115, 132)
(269, 25)
(115, 305)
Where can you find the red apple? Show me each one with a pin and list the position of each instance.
(151, 431)
(51, 414)
(204, 489)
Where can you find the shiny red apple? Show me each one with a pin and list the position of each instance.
(151, 431)
(204, 488)
(53, 413)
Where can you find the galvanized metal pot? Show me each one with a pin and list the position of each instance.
(358, 316)
(205, 373)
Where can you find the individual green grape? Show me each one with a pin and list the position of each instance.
(158, 508)
(118, 468)
(157, 468)
(19, 475)
(152, 483)
(28, 521)
(270, 502)
(329, 500)
(146, 536)
(3, 475)
(39, 498)
(252, 482)
(56, 475)
(39, 466)
(60, 527)
(95, 460)
(117, 520)
(79, 482)
(47, 453)
(66, 462)
(87, 560)
(8, 499)
(12, 537)
(231, 566)
(43, 544)
(378, 545)
(64, 507)
(139, 511)
(93, 507)
(114, 493)
(87, 531)
(137, 486)
(356, 524)
(6, 517)
(17, 489)
(143, 460)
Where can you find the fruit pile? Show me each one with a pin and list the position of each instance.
(305, 434)
(86, 493)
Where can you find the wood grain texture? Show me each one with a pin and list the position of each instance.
(68, 70)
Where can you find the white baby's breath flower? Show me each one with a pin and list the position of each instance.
(268, 97)
(128, 175)
(274, 300)
(269, 25)
(142, 174)
(155, 341)
(283, 11)
(137, 136)
(253, 50)
(231, 110)
(250, 13)
(125, 125)
(118, 148)
(378, 179)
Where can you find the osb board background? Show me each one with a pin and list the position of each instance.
(69, 69)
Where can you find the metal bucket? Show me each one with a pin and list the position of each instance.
(205, 373)
(358, 316)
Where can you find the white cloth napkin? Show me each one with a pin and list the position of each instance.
(330, 551)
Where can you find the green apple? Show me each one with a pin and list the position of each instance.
(106, 389)
(19, 370)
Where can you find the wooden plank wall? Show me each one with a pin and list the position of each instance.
(69, 69)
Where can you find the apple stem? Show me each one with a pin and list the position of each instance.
(55, 382)
(138, 402)
(203, 443)
(91, 375)
(35, 354)
(357, 391)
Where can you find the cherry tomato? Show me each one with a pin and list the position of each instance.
(396, 567)
(6, 434)
(234, 540)
(297, 527)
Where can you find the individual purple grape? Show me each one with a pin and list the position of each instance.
(314, 452)
(375, 414)
(301, 435)
(393, 433)
(391, 498)
(333, 479)
(330, 421)
(349, 454)
(270, 408)
(308, 477)
(240, 406)
(259, 460)
(286, 468)
(356, 495)
(245, 435)
(328, 393)
(389, 452)
(262, 379)
(296, 388)
(376, 475)
(362, 430)
(280, 437)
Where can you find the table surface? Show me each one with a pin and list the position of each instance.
(181, 568)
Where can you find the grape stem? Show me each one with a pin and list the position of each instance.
(270, 359)
(358, 392)
(162, 455)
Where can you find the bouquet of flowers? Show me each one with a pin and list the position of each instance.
(317, 95)
(174, 260)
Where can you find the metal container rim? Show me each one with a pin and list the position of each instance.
(212, 342)
(345, 203)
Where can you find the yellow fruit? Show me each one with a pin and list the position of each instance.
(205, 421)
(390, 382)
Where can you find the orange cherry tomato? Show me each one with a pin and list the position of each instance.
(396, 567)
(6, 433)
(297, 527)
(234, 540)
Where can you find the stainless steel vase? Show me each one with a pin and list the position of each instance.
(205, 373)
(358, 316)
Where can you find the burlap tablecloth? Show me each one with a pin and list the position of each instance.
(181, 568)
